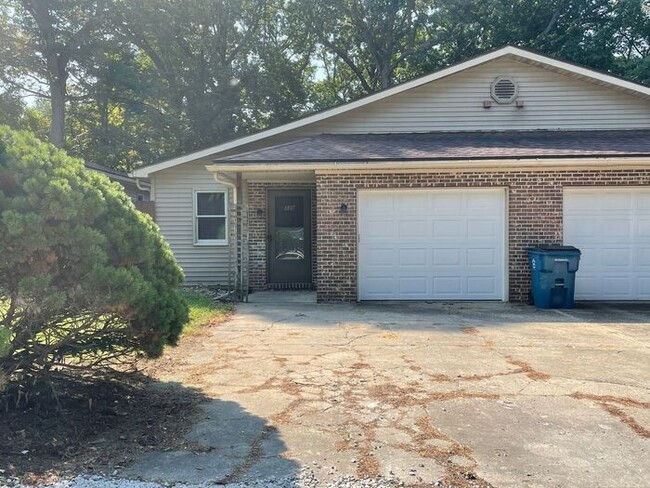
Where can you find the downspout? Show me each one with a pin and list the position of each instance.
(141, 185)
(229, 182)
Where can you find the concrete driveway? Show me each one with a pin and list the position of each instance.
(463, 394)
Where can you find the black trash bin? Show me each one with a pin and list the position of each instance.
(553, 275)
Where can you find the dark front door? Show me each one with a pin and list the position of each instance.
(289, 238)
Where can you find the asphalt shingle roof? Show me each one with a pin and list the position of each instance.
(452, 145)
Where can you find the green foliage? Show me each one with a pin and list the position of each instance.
(203, 310)
(11, 109)
(84, 277)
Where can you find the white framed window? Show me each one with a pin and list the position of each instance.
(210, 218)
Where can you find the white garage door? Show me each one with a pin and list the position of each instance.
(612, 229)
(431, 244)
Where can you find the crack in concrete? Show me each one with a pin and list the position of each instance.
(254, 455)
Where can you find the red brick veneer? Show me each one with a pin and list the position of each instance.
(534, 215)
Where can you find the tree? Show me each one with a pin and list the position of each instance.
(370, 39)
(11, 109)
(218, 69)
(43, 42)
(84, 277)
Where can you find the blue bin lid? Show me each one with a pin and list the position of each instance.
(554, 248)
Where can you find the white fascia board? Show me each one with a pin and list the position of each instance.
(583, 72)
(443, 73)
(397, 166)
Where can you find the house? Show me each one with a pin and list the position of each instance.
(430, 190)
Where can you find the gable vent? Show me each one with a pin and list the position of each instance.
(504, 90)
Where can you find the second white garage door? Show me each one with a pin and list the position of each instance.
(431, 244)
(611, 226)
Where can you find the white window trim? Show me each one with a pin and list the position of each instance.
(195, 219)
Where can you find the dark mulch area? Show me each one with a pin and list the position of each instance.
(96, 426)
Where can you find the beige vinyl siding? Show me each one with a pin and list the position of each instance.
(552, 101)
(175, 215)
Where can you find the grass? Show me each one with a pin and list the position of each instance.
(203, 311)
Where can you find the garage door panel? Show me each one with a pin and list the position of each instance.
(414, 285)
(583, 228)
(446, 200)
(614, 237)
(481, 285)
(481, 229)
(643, 257)
(481, 257)
(380, 229)
(413, 203)
(619, 228)
(413, 257)
(379, 255)
(442, 257)
(616, 257)
(643, 227)
(588, 284)
(455, 253)
(445, 286)
(409, 229)
(483, 204)
(380, 285)
(446, 229)
(643, 203)
(643, 287)
(581, 206)
(619, 201)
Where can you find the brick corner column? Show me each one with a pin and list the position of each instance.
(337, 243)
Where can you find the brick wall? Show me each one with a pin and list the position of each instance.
(257, 225)
(534, 216)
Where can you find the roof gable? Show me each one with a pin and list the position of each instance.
(551, 101)
(293, 128)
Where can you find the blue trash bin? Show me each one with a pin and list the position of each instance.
(553, 275)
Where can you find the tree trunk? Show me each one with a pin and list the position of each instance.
(57, 102)
(385, 71)
(57, 63)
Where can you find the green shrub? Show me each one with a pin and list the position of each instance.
(84, 277)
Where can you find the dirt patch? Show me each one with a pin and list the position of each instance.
(390, 336)
(625, 401)
(463, 478)
(626, 419)
(368, 466)
(606, 402)
(360, 365)
(488, 344)
(528, 370)
(98, 424)
(470, 330)
(253, 457)
(439, 378)
(282, 361)
(398, 396)
(455, 476)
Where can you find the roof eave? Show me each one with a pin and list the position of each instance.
(618, 161)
